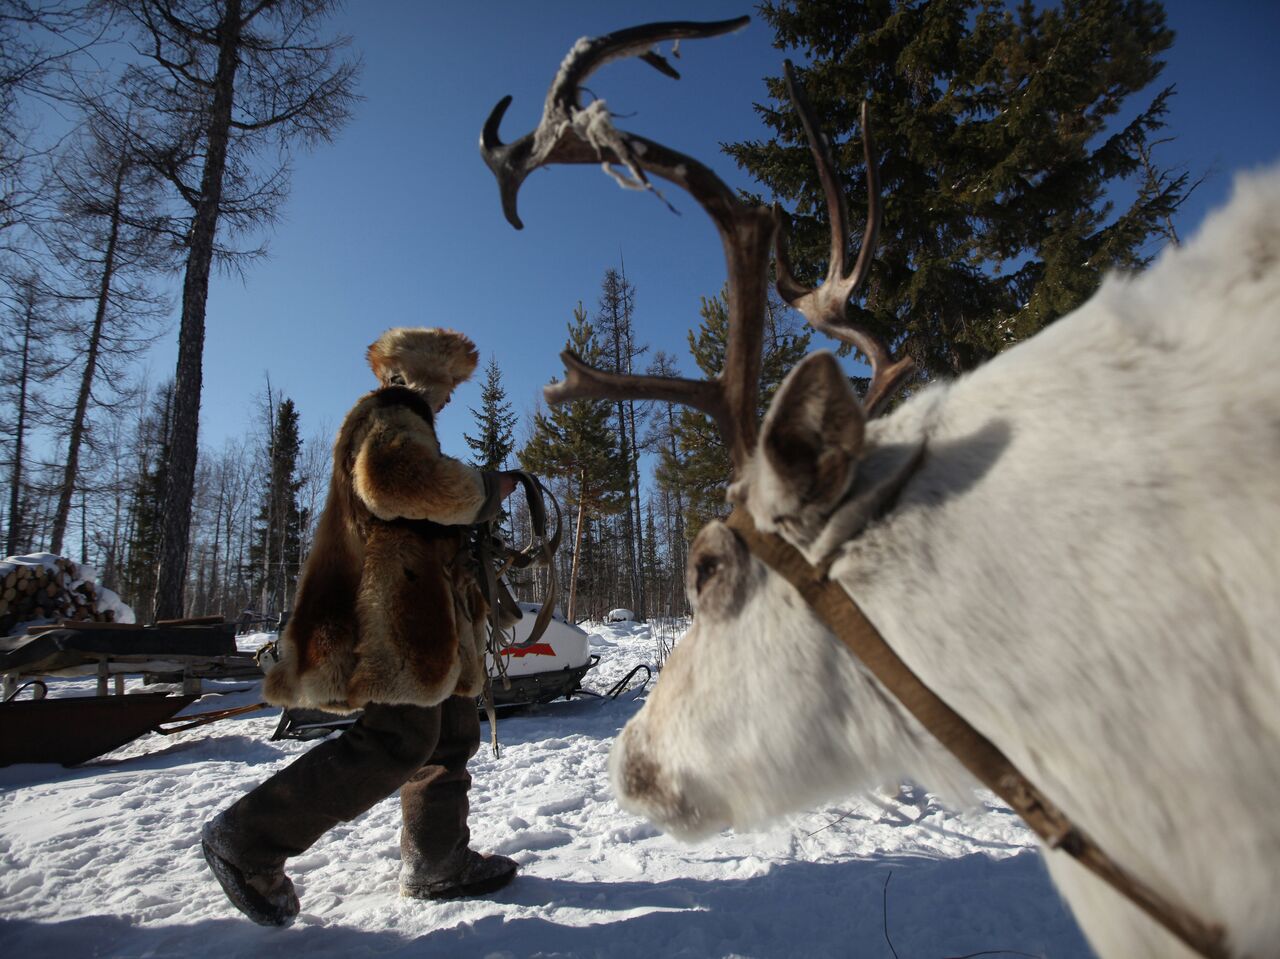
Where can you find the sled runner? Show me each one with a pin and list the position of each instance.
(78, 728)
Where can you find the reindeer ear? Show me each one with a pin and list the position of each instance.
(812, 436)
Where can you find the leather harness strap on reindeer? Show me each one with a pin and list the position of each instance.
(571, 134)
(837, 609)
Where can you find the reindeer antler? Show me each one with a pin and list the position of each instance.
(570, 133)
(825, 307)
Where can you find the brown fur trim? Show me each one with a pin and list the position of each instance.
(317, 648)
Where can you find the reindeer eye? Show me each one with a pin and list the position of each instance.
(705, 569)
(715, 574)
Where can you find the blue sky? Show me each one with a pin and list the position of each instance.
(398, 223)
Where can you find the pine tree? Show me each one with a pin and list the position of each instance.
(576, 442)
(111, 240)
(661, 440)
(614, 311)
(697, 463)
(650, 560)
(495, 422)
(275, 555)
(145, 509)
(996, 155)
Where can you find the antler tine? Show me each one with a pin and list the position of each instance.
(554, 140)
(826, 306)
(568, 133)
(583, 381)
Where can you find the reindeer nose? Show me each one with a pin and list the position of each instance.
(639, 775)
(637, 778)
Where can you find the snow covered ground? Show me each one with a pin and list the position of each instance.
(104, 860)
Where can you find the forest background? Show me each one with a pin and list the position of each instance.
(1023, 155)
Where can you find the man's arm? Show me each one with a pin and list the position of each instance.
(401, 473)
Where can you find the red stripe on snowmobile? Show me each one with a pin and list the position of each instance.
(537, 649)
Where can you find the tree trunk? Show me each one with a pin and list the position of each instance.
(176, 519)
(634, 491)
(571, 608)
(71, 472)
(20, 427)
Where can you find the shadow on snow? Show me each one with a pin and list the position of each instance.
(935, 909)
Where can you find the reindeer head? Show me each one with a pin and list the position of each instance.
(682, 760)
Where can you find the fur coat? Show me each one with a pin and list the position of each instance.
(388, 608)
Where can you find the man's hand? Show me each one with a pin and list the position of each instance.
(506, 485)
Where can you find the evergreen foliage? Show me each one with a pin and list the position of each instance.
(146, 506)
(614, 312)
(575, 441)
(698, 466)
(1001, 137)
(275, 556)
(495, 422)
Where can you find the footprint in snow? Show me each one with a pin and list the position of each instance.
(534, 841)
(555, 808)
(641, 830)
(108, 792)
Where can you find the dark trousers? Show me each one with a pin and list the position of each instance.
(422, 751)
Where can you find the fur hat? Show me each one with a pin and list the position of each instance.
(431, 361)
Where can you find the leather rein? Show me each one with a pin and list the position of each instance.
(838, 611)
(494, 558)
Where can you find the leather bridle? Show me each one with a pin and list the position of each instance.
(494, 558)
(842, 616)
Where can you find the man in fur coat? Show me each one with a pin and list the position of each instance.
(389, 619)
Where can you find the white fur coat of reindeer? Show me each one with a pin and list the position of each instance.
(1085, 565)
(1077, 547)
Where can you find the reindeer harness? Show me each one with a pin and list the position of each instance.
(840, 613)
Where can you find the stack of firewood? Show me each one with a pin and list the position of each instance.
(45, 588)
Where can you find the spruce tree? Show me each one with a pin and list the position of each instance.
(614, 311)
(275, 556)
(495, 422)
(575, 441)
(999, 151)
(146, 504)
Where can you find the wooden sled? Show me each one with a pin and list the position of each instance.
(74, 729)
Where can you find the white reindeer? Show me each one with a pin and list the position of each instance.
(1077, 547)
